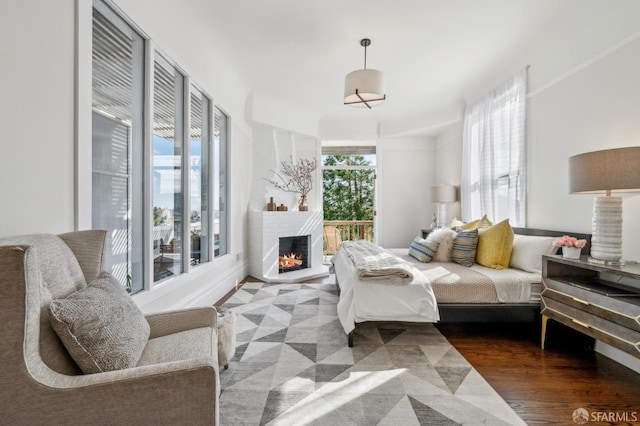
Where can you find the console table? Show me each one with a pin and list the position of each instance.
(598, 300)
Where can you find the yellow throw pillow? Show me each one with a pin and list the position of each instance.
(484, 223)
(481, 223)
(495, 245)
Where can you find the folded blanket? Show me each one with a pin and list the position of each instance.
(375, 264)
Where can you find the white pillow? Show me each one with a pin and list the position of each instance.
(528, 250)
(445, 237)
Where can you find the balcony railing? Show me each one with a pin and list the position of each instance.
(351, 230)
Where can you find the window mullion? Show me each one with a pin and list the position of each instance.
(147, 193)
(186, 173)
(212, 170)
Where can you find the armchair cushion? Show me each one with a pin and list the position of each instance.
(189, 344)
(101, 327)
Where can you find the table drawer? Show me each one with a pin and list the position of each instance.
(624, 311)
(606, 331)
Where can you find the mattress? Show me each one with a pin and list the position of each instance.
(454, 283)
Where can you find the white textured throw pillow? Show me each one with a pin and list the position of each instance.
(101, 327)
(445, 237)
(528, 250)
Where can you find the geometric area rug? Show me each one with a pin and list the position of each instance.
(293, 367)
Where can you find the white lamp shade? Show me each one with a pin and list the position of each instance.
(367, 84)
(443, 194)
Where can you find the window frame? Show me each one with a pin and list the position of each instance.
(83, 153)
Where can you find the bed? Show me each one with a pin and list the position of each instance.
(440, 291)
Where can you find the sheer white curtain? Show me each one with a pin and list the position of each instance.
(493, 155)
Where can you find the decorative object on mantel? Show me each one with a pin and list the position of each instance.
(295, 177)
(365, 87)
(604, 172)
(303, 206)
(571, 246)
(271, 205)
(282, 208)
(441, 194)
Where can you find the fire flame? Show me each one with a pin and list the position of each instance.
(286, 260)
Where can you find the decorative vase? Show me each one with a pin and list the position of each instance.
(271, 205)
(571, 252)
(302, 205)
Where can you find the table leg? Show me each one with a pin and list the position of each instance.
(543, 333)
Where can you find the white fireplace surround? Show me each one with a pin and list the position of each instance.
(265, 230)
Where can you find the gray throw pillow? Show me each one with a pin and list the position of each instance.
(101, 327)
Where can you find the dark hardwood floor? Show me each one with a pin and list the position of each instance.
(544, 387)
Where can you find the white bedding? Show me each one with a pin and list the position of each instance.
(362, 300)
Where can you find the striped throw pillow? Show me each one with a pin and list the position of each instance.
(464, 247)
(423, 250)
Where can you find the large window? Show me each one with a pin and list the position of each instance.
(199, 175)
(493, 169)
(160, 185)
(118, 67)
(168, 129)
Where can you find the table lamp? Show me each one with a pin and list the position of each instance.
(441, 194)
(607, 171)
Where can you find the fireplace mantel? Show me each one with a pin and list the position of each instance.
(265, 230)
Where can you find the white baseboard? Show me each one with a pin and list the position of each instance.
(618, 356)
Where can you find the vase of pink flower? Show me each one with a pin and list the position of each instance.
(571, 246)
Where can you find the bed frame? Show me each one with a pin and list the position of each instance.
(491, 312)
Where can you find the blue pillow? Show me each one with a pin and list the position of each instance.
(423, 250)
(464, 248)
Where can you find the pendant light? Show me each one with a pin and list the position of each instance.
(365, 87)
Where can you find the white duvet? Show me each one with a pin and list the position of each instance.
(362, 300)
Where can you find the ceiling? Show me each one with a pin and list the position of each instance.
(436, 54)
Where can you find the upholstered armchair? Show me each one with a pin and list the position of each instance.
(175, 382)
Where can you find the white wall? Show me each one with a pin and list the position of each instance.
(274, 112)
(36, 116)
(406, 172)
(272, 146)
(37, 168)
(595, 108)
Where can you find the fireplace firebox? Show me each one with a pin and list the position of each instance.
(293, 253)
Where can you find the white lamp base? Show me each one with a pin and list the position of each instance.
(606, 241)
(441, 215)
